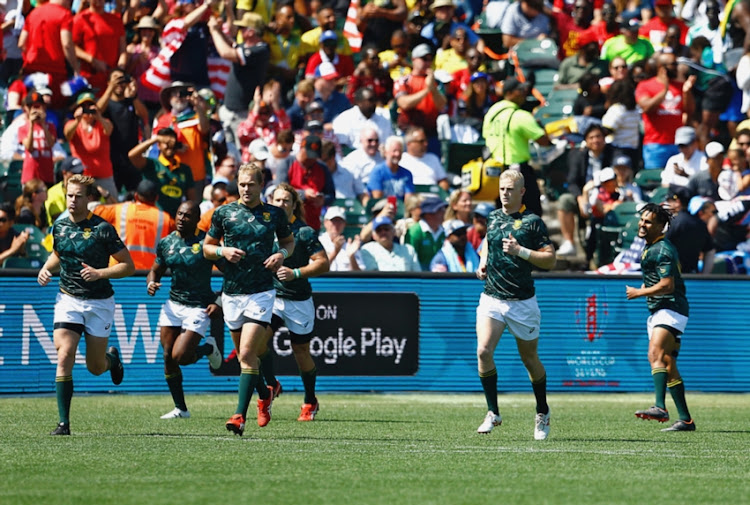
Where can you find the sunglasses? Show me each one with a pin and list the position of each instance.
(4, 219)
(619, 67)
(372, 141)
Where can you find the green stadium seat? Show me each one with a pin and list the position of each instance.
(26, 263)
(456, 155)
(12, 187)
(432, 189)
(648, 179)
(658, 195)
(34, 245)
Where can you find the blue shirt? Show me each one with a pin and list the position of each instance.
(398, 184)
(428, 32)
(515, 23)
(335, 105)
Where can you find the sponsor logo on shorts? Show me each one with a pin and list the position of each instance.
(106, 326)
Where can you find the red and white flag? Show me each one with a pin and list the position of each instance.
(351, 32)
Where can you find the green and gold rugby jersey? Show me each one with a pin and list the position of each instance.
(253, 231)
(91, 241)
(191, 271)
(173, 181)
(306, 244)
(660, 260)
(509, 277)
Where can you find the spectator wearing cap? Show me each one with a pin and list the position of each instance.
(310, 177)
(140, 55)
(419, 97)
(390, 178)
(372, 75)
(378, 20)
(258, 153)
(628, 190)
(347, 186)
(186, 115)
(456, 254)
(444, 24)
(384, 254)
(348, 125)
(140, 224)
(334, 102)
(507, 130)
(586, 60)
(478, 98)
(427, 236)
(426, 168)
(688, 232)
(706, 182)
(364, 159)
(88, 133)
(453, 58)
(56, 203)
(600, 196)
(690, 160)
(655, 30)
(663, 101)
(327, 53)
(314, 126)
(304, 95)
(478, 229)
(99, 38)
(628, 45)
(47, 45)
(326, 18)
(38, 136)
(264, 121)
(249, 66)
(524, 20)
(337, 246)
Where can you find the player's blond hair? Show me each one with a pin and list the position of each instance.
(85, 181)
(515, 176)
(253, 170)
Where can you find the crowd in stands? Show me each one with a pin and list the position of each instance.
(162, 101)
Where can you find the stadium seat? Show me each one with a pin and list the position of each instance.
(658, 195)
(648, 179)
(535, 53)
(34, 245)
(432, 189)
(456, 155)
(26, 263)
(11, 186)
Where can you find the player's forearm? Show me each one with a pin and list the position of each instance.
(542, 259)
(119, 270)
(664, 287)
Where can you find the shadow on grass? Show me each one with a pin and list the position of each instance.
(249, 436)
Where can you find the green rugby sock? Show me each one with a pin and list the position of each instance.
(248, 379)
(660, 386)
(677, 390)
(203, 350)
(540, 393)
(489, 385)
(174, 381)
(64, 393)
(308, 381)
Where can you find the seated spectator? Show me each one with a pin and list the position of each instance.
(384, 254)
(56, 202)
(459, 207)
(453, 59)
(618, 71)
(12, 242)
(396, 59)
(390, 178)
(445, 23)
(371, 74)
(310, 177)
(688, 233)
(427, 236)
(690, 160)
(456, 254)
(425, 168)
(37, 135)
(265, 121)
(281, 156)
(591, 102)
(412, 214)
(673, 43)
(628, 190)
(622, 120)
(655, 30)
(628, 45)
(706, 182)
(334, 102)
(585, 61)
(363, 160)
(479, 97)
(88, 133)
(326, 18)
(478, 229)
(30, 205)
(348, 125)
(233, 195)
(459, 87)
(217, 196)
(327, 53)
(303, 96)
(337, 246)
(598, 197)
(523, 20)
(735, 180)
(347, 186)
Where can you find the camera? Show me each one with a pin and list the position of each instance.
(89, 109)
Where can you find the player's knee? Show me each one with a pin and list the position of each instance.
(97, 367)
(484, 353)
(66, 355)
(301, 349)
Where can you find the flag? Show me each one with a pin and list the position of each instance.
(218, 73)
(351, 32)
(157, 76)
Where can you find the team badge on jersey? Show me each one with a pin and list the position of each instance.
(267, 217)
(196, 248)
(517, 224)
(87, 233)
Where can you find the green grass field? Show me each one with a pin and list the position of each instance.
(366, 449)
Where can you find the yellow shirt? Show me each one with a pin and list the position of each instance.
(264, 8)
(311, 42)
(386, 58)
(284, 52)
(450, 61)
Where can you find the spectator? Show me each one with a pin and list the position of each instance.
(264, 121)
(12, 24)
(479, 97)
(524, 20)
(378, 20)
(688, 233)
(628, 190)
(348, 125)
(673, 44)
(735, 180)
(370, 74)
(426, 168)
(56, 198)
(427, 236)
(571, 27)
(412, 214)
(88, 133)
(226, 170)
(233, 195)
(249, 65)
(663, 101)
(315, 126)
(419, 97)
(478, 229)
(173, 178)
(281, 156)
(328, 53)
(326, 18)
(217, 196)
(390, 178)
(347, 186)
(30, 205)
(284, 43)
(140, 54)
(396, 59)
(608, 27)
(629, 45)
(585, 61)
(708, 28)
(37, 135)
(444, 24)
(453, 58)
(459, 207)
(303, 96)
(690, 160)
(384, 254)
(12, 242)
(337, 246)
(598, 197)
(334, 102)
(591, 102)
(655, 30)
(622, 120)
(618, 71)
(190, 62)
(310, 177)
(99, 38)
(120, 105)
(363, 160)
(456, 254)
(140, 224)
(706, 182)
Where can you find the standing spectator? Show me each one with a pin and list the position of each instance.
(12, 242)
(12, 24)
(425, 168)
(622, 120)
(347, 186)
(709, 29)
(655, 30)
(55, 204)
(378, 20)
(456, 254)
(363, 160)
(427, 235)
(706, 182)
(99, 38)
(190, 62)
(444, 23)
(47, 44)
(608, 27)
(629, 45)
(390, 178)
(370, 74)
(334, 102)
(524, 20)
(384, 254)
(310, 177)
(264, 121)
(690, 160)
(37, 135)
(284, 44)
(140, 54)
(663, 101)
(328, 53)
(348, 125)
(336, 245)
(249, 65)
(574, 26)
(326, 18)
(689, 234)
(88, 133)
(453, 58)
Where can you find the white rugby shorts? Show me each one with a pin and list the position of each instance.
(238, 309)
(666, 317)
(96, 316)
(298, 316)
(181, 316)
(522, 317)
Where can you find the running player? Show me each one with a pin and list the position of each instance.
(191, 303)
(83, 244)
(664, 290)
(248, 227)
(517, 239)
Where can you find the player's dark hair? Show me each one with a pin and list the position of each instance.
(297, 209)
(661, 213)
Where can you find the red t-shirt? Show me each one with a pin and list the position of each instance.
(99, 35)
(599, 31)
(44, 51)
(660, 124)
(655, 31)
(38, 163)
(425, 113)
(92, 148)
(568, 5)
(344, 65)
(315, 179)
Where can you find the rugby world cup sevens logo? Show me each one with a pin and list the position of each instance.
(591, 315)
